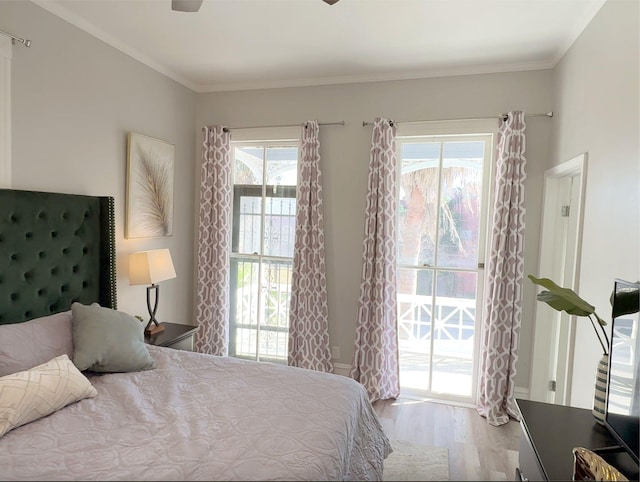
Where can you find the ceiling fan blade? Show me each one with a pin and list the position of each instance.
(330, 2)
(186, 5)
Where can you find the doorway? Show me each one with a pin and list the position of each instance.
(560, 244)
(441, 238)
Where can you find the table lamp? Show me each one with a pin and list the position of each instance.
(149, 268)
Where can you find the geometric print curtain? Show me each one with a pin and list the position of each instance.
(504, 276)
(214, 235)
(375, 359)
(308, 312)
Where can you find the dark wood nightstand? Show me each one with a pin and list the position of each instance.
(175, 336)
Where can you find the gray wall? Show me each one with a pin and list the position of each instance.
(74, 99)
(597, 109)
(345, 156)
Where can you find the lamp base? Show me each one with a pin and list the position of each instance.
(153, 329)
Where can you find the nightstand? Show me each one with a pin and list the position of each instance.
(175, 336)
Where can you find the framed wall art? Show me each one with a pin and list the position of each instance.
(149, 210)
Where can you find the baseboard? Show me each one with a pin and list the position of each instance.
(521, 392)
(341, 369)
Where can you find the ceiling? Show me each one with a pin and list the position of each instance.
(249, 44)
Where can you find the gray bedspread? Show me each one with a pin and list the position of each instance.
(200, 417)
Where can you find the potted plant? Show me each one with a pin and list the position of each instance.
(565, 299)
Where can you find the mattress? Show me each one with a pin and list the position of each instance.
(201, 417)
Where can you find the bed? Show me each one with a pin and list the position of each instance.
(188, 417)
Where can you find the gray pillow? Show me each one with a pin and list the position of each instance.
(106, 340)
(32, 343)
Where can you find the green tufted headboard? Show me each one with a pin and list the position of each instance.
(54, 249)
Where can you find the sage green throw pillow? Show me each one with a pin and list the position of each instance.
(106, 340)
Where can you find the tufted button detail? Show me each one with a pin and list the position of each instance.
(28, 235)
(14, 257)
(75, 268)
(28, 275)
(41, 254)
(54, 270)
(85, 284)
(14, 296)
(85, 250)
(54, 234)
(27, 314)
(65, 215)
(65, 250)
(64, 288)
(42, 215)
(13, 218)
(41, 291)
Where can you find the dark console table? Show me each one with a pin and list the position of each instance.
(550, 432)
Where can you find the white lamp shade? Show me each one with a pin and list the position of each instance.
(150, 267)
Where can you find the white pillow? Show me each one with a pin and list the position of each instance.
(31, 394)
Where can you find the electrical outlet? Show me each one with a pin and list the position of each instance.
(335, 352)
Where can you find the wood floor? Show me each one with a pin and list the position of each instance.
(477, 450)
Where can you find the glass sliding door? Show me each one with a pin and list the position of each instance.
(441, 229)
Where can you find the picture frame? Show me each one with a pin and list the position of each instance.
(150, 178)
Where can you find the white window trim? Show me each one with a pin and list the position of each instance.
(264, 137)
(270, 134)
(437, 130)
(452, 127)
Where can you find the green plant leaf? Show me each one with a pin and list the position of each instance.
(564, 299)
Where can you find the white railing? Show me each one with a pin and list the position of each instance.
(453, 318)
(274, 306)
(443, 364)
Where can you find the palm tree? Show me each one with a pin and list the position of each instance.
(420, 219)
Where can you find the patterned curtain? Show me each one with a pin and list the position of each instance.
(375, 360)
(214, 235)
(308, 314)
(505, 271)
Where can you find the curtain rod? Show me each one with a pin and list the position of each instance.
(337, 123)
(25, 42)
(504, 116)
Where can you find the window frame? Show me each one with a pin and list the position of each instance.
(240, 190)
(261, 138)
(444, 131)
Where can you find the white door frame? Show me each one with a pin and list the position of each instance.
(554, 333)
(439, 131)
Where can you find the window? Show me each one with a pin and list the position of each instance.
(441, 230)
(263, 236)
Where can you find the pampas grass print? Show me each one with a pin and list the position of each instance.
(155, 196)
